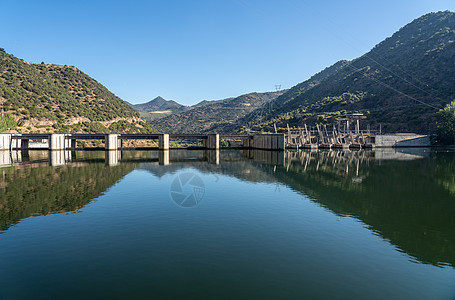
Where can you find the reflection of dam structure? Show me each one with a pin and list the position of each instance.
(312, 158)
(342, 161)
(111, 158)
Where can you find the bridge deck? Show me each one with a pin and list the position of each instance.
(64, 141)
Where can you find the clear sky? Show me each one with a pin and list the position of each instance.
(197, 50)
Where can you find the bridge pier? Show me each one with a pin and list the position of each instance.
(25, 144)
(213, 141)
(163, 141)
(111, 141)
(56, 141)
(5, 141)
(67, 142)
(73, 144)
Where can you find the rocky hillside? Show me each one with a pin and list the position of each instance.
(401, 83)
(214, 116)
(54, 98)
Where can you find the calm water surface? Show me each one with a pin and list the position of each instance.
(229, 224)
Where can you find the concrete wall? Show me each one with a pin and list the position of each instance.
(5, 141)
(268, 141)
(213, 141)
(57, 142)
(111, 141)
(163, 142)
(402, 140)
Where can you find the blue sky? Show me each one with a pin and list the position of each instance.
(197, 50)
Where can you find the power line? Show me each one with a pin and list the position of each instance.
(366, 54)
(391, 87)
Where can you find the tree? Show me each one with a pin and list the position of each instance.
(7, 123)
(445, 131)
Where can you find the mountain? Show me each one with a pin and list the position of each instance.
(157, 104)
(400, 84)
(158, 108)
(54, 98)
(214, 116)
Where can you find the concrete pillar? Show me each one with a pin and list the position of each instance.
(111, 141)
(247, 143)
(25, 144)
(5, 141)
(16, 142)
(56, 141)
(67, 141)
(163, 142)
(163, 157)
(213, 141)
(280, 140)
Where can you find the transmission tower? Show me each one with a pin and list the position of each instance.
(278, 87)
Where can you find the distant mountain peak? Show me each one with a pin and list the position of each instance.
(158, 104)
(159, 98)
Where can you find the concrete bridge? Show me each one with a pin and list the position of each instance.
(68, 141)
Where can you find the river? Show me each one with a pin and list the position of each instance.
(244, 224)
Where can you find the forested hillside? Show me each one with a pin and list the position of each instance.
(47, 98)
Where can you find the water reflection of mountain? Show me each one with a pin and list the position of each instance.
(39, 189)
(407, 198)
